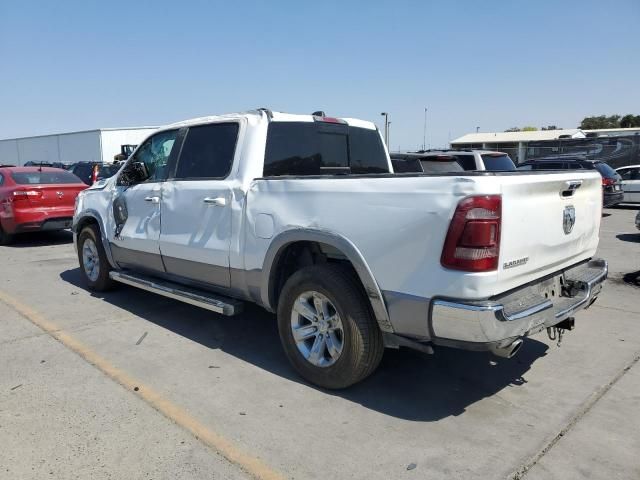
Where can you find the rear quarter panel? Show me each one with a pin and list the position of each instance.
(398, 224)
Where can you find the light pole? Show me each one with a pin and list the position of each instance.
(386, 128)
(389, 135)
(424, 133)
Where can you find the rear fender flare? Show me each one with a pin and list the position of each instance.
(281, 241)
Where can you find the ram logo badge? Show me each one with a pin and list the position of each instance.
(515, 263)
(568, 219)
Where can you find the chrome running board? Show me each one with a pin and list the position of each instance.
(199, 298)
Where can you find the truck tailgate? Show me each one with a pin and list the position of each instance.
(545, 226)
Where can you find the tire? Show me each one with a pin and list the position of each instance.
(90, 239)
(360, 338)
(5, 238)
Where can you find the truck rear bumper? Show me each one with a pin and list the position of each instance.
(483, 325)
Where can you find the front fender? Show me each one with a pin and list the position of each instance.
(92, 216)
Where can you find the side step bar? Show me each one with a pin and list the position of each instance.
(199, 298)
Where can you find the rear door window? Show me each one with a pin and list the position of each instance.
(466, 161)
(494, 162)
(625, 173)
(320, 148)
(207, 151)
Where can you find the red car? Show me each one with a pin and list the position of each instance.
(35, 199)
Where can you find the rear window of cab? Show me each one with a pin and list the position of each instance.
(322, 148)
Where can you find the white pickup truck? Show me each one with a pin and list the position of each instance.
(303, 215)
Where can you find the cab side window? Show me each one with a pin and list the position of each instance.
(155, 153)
(630, 173)
(207, 151)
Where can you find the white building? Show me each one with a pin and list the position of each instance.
(99, 145)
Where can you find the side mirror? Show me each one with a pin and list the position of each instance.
(133, 173)
(140, 171)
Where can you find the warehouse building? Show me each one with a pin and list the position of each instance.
(100, 145)
(618, 147)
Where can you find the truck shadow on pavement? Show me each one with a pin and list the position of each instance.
(407, 385)
(629, 237)
(41, 239)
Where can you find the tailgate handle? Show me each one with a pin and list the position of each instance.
(570, 187)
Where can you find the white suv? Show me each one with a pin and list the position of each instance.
(478, 159)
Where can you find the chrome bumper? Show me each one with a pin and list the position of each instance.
(521, 313)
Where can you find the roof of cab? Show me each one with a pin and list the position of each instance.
(275, 117)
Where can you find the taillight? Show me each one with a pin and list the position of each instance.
(473, 239)
(26, 194)
(607, 182)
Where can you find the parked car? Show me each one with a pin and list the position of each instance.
(36, 198)
(612, 192)
(423, 163)
(91, 172)
(638, 221)
(303, 215)
(476, 159)
(630, 183)
(46, 164)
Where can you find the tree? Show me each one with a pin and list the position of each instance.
(629, 121)
(513, 129)
(602, 121)
(551, 127)
(529, 129)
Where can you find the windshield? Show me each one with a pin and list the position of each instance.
(44, 178)
(493, 162)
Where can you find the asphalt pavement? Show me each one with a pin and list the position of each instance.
(129, 385)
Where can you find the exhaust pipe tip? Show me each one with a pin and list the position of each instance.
(509, 351)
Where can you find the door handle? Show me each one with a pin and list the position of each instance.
(218, 201)
(152, 199)
(570, 188)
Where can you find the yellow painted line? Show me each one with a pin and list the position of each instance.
(248, 463)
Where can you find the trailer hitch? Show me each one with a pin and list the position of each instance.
(557, 331)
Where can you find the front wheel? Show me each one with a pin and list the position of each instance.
(327, 328)
(93, 259)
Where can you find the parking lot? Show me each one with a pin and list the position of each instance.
(132, 385)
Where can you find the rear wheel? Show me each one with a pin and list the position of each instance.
(5, 238)
(93, 259)
(326, 327)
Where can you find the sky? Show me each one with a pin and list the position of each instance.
(493, 64)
